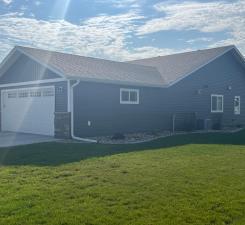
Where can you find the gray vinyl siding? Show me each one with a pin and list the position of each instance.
(214, 78)
(25, 69)
(61, 96)
(100, 103)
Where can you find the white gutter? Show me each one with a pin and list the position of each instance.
(71, 103)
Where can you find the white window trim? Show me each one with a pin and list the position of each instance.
(129, 90)
(239, 112)
(217, 111)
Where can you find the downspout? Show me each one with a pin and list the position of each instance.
(71, 103)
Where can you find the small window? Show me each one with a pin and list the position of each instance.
(35, 93)
(237, 105)
(48, 92)
(129, 96)
(217, 102)
(12, 95)
(23, 94)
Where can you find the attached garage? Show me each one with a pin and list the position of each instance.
(28, 110)
(71, 96)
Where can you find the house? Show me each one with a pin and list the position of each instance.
(64, 95)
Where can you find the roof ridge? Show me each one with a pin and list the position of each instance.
(177, 66)
(95, 69)
(82, 56)
(181, 53)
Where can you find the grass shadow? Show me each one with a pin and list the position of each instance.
(54, 154)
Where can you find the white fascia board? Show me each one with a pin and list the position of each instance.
(239, 53)
(43, 64)
(195, 70)
(115, 82)
(6, 59)
(240, 56)
(32, 82)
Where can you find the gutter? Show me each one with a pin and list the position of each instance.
(70, 92)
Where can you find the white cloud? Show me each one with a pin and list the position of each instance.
(203, 16)
(201, 39)
(207, 17)
(147, 52)
(37, 3)
(102, 36)
(7, 2)
(122, 3)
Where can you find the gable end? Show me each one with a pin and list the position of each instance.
(24, 69)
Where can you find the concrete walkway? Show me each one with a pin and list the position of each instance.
(9, 139)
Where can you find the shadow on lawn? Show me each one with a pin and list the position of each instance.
(54, 154)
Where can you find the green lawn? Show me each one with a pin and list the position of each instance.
(191, 179)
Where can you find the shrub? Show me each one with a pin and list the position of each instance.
(216, 126)
(118, 136)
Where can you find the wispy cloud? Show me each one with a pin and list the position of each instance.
(206, 17)
(201, 39)
(203, 16)
(122, 3)
(7, 2)
(37, 3)
(102, 36)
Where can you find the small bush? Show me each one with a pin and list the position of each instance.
(216, 126)
(118, 136)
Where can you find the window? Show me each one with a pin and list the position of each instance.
(129, 96)
(12, 95)
(237, 105)
(48, 92)
(23, 94)
(217, 102)
(35, 93)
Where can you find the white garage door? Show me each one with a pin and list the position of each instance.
(29, 110)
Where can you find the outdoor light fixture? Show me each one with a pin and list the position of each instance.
(59, 89)
(229, 88)
(199, 91)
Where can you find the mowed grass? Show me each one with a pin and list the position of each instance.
(191, 179)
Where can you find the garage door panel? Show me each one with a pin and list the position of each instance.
(29, 110)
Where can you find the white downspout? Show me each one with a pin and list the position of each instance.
(71, 105)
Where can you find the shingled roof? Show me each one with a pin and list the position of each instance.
(176, 66)
(160, 71)
(93, 69)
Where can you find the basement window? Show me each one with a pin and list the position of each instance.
(217, 103)
(237, 105)
(129, 96)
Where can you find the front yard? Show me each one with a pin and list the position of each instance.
(189, 179)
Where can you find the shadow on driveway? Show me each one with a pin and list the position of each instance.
(54, 154)
(10, 139)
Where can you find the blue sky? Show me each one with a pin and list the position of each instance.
(121, 29)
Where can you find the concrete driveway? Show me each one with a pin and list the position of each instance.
(9, 139)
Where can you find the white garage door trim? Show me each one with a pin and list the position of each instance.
(28, 110)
